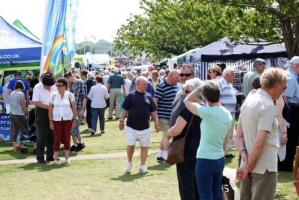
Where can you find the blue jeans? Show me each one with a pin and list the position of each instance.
(97, 113)
(209, 178)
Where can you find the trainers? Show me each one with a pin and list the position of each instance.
(143, 169)
(73, 148)
(67, 161)
(160, 159)
(128, 168)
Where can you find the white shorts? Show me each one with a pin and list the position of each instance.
(143, 136)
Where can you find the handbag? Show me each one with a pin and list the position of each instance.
(176, 150)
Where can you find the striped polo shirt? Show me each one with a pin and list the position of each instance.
(227, 96)
(165, 94)
(116, 81)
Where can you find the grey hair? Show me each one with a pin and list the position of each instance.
(227, 71)
(258, 62)
(140, 78)
(193, 83)
(293, 62)
(90, 76)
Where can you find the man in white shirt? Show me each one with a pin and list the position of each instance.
(41, 100)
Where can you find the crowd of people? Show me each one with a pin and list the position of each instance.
(179, 104)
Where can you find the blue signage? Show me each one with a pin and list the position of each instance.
(5, 127)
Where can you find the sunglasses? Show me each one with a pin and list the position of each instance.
(59, 85)
(186, 74)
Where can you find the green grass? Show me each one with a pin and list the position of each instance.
(102, 179)
(113, 140)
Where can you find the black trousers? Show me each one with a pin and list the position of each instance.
(45, 136)
(88, 113)
(186, 179)
(293, 139)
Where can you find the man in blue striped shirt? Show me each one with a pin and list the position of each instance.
(228, 100)
(164, 97)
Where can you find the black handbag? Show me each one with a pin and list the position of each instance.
(176, 150)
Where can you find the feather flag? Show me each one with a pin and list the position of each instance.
(55, 39)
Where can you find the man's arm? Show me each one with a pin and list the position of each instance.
(155, 118)
(122, 118)
(240, 143)
(39, 104)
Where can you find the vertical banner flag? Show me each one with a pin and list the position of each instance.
(55, 37)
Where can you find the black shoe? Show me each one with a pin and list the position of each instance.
(92, 133)
(160, 159)
(80, 146)
(109, 118)
(24, 150)
(73, 148)
(50, 159)
(41, 162)
(229, 156)
(102, 132)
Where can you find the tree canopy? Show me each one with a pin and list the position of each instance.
(172, 27)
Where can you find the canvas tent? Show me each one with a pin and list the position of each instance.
(17, 49)
(236, 54)
(19, 25)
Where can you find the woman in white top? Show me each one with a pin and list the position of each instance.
(62, 115)
(98, 95)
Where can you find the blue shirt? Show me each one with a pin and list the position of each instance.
(216, 121)
(292, 91)
(13, 82)
(116, 81)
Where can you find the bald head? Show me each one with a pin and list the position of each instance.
(173, 77)
(141, 84)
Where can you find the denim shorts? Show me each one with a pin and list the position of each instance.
(76, 130)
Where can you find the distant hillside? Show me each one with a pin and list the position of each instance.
(101, 47)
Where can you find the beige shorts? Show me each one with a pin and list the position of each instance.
(144, 137)
(164, 125)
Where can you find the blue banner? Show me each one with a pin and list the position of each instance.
(5, 127)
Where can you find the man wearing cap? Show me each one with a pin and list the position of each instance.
(291, 96)
(41, 99)
(258, 68)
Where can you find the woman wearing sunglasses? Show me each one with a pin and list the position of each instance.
(62, 115)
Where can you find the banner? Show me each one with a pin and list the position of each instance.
(5, 127)
(59, 30)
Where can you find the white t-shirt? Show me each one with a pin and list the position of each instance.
(98, 95)
(41, 94)
(127, 86)
(62, 109)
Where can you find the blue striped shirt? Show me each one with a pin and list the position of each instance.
(228, 96)
(165, 94)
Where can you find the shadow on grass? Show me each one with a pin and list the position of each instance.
(92, 136)
(285, 177)
(127, 177)
(160, 167)
(43, 167)
(15, 154)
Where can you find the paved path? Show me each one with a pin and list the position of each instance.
(104, 156)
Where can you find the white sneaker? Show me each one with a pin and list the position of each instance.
(67, 161)
(165, 155)
(128, 168)
(143, 169)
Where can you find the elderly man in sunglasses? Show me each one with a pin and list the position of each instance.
(186, 73)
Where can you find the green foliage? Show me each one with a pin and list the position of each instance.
(173, 27)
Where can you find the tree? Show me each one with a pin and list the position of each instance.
(283, 15)
(170, 27)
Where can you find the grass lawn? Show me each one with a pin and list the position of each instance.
(113, 140)
(102, 179)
